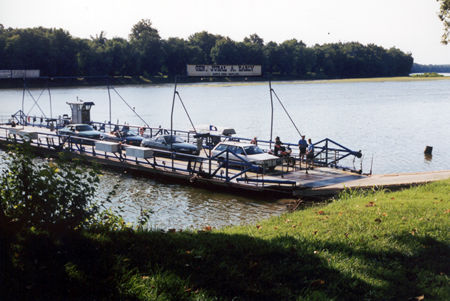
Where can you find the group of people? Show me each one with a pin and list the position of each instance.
(306, 149)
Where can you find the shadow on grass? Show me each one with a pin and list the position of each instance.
(125, 265)
(417, 266)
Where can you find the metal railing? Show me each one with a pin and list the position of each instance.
(212, 166)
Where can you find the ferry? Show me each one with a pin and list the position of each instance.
(212, 159)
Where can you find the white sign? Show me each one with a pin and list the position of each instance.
(5, 73)
(24, 73)
(224, 70)
(19, 73)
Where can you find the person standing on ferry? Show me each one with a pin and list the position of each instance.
(302, 145)
(309, 156)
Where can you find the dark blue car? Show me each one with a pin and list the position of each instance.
(130, 137)
(81, 130)
(170, 143)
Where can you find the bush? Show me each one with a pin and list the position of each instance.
(52, 195)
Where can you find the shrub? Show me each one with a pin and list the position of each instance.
(45, 194)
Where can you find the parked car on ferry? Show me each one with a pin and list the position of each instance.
(248, 152)
(80, 130)
(129, 137)
(172, 143)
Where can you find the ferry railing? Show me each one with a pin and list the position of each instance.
(327, 152)
(19, 117)
(146, 132)
(227, 162)
(208, 166)
(330, 153)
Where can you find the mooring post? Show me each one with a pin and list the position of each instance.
(173, 106)
(209, 158)
(23, 118)
(271, 114)
(109, 97)
(50, 99)
(226, 169)
(171, 118)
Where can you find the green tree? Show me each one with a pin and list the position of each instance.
(93, 58)
(50, 196)
(2, 44)
(291, 51)
(147, 42)
(273, 57)
(444, 15)
(63, 49)
(179, 53)
(205, 41)
(252, 50)
(225, 52)
(27, 49)
(123, 57)
(254, 39)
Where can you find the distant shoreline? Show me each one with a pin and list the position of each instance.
(141, 81)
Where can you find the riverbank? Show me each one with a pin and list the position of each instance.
(362, 245)
(65, 82)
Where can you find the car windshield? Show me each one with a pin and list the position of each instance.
(84, 128)
(173, 139)
(221, 147)
(237, 150)
(252, 150)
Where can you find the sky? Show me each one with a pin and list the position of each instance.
(410, 25)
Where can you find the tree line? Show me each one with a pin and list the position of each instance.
(418, 68)
(57, 53)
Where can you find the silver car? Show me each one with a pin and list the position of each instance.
(245, 152)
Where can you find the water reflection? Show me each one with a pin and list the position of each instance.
(183, 207)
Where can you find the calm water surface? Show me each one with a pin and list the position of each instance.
(391, 122)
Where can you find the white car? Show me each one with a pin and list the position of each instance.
(246, 151)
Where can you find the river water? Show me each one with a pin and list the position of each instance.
(390, 122)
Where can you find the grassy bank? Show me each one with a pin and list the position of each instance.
(361, 246)
(158, 80)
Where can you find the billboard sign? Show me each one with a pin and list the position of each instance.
(5, 73)
(224, 70)
(19, 73)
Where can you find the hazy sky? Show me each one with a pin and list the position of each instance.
(410, 25)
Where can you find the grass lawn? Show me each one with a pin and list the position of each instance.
(361, 246)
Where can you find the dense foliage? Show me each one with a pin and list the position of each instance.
(53, 195)
(444, 15)
(56, 53)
